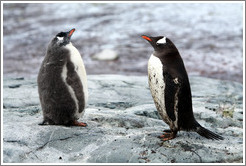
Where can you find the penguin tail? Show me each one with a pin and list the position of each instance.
(207, 133)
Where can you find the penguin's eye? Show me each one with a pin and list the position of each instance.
(161, 41)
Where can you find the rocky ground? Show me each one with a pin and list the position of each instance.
(123, 125)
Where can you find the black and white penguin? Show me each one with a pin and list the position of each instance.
(62, 83)
(170, 89)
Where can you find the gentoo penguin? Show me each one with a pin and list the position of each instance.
(62, 83)
(170, 89)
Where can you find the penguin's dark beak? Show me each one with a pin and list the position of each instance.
(146, 38)
(70, 33)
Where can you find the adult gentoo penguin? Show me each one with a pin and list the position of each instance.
(170, 89)
(62, 83)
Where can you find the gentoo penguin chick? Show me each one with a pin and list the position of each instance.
(62, 83)
(170, 89)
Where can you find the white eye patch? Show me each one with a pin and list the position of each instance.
(59, 38)
(161, 41)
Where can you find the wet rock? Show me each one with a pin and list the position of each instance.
(123, 125)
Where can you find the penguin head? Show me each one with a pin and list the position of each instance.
(62, 38)
(160, 43)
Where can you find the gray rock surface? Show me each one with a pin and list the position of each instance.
(123, 125)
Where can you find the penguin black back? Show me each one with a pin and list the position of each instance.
(176, 109)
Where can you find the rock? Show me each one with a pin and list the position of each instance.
(15, 86)
(106, 55)
(123, 125)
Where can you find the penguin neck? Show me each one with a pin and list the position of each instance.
(172, 63)
(69, 45)
(71, 48)
(168, 56)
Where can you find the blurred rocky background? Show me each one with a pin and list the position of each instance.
(108, 35)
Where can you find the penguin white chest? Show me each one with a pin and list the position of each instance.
(79, 67)
(157, 86)
(76, 59)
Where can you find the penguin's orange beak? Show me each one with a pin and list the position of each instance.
(71, 32)
(146, 37)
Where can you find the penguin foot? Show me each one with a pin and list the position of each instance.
(81, 124)
(46, 122)
(43, 123)
(168, 136)
(167, 131)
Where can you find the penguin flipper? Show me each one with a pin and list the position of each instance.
(171, 91)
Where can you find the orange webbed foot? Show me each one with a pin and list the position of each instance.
(81, 124)
(168, 136)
